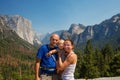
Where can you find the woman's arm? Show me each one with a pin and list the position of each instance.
(69, 60)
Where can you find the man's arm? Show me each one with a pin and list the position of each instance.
(37, 67)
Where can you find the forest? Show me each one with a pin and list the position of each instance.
(17, 62)
(96, 62)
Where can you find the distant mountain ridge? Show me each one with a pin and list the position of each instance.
(80, 34)
(46, 39)
(22, 26)
(103, 30)
(74, 29)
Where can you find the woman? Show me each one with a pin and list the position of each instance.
(69, 64)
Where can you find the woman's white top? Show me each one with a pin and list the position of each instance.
(68, 73)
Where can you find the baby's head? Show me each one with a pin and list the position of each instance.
(61, 44)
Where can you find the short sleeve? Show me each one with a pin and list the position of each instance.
(40, 52)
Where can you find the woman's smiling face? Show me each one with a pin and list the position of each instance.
(68, 46)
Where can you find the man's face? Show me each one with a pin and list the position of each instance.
(54, 40)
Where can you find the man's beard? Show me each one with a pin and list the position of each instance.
(55, 45)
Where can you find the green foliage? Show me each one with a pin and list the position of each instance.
(96, 62)
(89, 62)
(16, 57)
(79, 62)
(108, 54)
(115, 65)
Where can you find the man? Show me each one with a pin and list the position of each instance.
(45, 67)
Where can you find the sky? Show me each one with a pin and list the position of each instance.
(52, 15)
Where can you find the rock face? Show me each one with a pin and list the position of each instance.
(22, 26)
(101, 31)
(73, 32)
(9, 39)
(80, 33)
(5, 31)
(76, 29)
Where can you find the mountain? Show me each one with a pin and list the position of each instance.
(101, 33)
(41, 36)
(106, 32)
(8, 36)
(46, 39)
(16, 55)
(73, 32)
(22, 26)
(76, 29)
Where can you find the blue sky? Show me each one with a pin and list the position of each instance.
(52, 15)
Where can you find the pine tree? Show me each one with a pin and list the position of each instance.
(115, 65)
(79, 63)
(108, 54)
(89, 67)
(99, 62)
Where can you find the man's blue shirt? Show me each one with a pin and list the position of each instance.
(46, 62)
